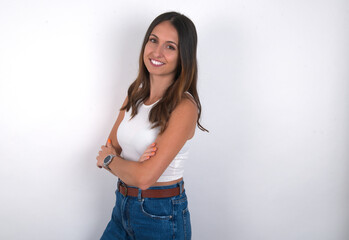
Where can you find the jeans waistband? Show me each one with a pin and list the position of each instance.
(155, 191)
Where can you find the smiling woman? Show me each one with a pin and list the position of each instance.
(148, 145)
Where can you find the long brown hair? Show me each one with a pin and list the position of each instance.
(185, 78)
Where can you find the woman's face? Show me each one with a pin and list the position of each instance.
(161, 51)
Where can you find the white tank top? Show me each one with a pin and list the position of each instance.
(135, 135)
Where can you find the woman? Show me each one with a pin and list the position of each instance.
(148, 144)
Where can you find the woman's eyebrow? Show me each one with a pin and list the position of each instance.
(166, 41)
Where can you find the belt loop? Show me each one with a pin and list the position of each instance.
(180, 187)
(125, 187)
(139, 194)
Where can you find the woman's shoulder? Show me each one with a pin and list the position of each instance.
(187, 105)
(189, 100)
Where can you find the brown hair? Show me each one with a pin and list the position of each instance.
(185, 77)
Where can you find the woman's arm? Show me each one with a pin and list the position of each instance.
(181, 127)
(112, 135)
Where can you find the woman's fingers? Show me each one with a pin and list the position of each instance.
(150, 150)
(148, 153)
(147, 156)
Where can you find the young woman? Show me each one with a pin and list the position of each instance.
(148, 145)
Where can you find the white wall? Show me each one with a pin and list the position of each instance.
(274, 89)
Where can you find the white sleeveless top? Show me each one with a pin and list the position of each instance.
(135, 135)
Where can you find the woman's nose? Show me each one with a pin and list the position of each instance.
(158, 50)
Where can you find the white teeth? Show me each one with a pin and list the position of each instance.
(156, 62)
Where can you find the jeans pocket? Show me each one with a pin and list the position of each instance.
(157, 209)
(186, 224)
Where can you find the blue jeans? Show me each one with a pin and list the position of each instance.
(137, 218)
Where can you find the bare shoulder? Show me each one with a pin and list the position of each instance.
(186, 107)
(183, 119)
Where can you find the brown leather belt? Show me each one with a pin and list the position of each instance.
(149, 193)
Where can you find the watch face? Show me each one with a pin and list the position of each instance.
(107, 159)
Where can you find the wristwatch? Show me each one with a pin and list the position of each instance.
(107, 161)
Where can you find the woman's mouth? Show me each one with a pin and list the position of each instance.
(156, 63)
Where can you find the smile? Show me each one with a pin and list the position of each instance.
(156, 63)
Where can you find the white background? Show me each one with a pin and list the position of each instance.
(273, 81)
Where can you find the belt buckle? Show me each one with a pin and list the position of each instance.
(125, 186)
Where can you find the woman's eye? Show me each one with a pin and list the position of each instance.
(171, 47)
(152, 40)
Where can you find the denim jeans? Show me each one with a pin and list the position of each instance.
(138, 218)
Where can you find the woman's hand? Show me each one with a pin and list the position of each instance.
(109, 149)
(105, 151)
(148, 153)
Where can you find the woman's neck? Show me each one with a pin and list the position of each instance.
(158, 87)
